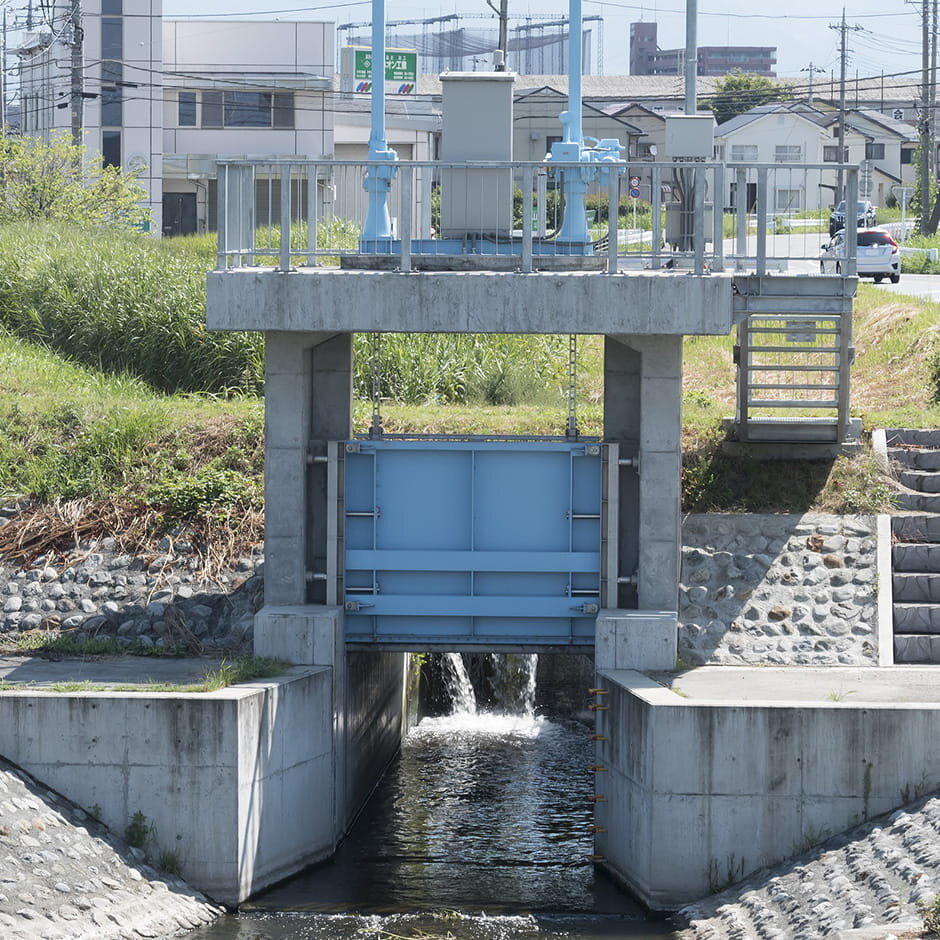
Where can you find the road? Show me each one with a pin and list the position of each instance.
(925, 286)
(802, 249)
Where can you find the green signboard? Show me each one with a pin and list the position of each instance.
(401, 65)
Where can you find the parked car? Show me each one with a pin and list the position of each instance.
(878, 255)
(866, 216)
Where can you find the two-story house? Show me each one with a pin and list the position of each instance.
(795, 133)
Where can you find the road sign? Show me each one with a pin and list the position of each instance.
(634, 182)
(902, 193)
(634, 192)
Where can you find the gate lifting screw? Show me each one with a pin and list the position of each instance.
(598, 708)
(599, 737)
(597, 858)
(597, 798)
(598, 768)
(598, 692)
(596, 829)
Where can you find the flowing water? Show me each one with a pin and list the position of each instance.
(479, 831)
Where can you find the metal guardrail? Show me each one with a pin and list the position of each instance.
(282, 213)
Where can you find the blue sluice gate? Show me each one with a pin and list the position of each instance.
(476, 543)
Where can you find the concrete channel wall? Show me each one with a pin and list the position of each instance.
(247, 785)
(701, 793)
(225, 778)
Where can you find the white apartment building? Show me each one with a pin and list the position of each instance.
(117, 84)
(167, 98)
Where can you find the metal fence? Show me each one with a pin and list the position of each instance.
(285, 214)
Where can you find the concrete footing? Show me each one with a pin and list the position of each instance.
(701, 791)
(644, 640)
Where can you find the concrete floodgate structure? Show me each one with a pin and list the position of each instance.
(375, 547)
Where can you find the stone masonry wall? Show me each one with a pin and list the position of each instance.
(780, 589)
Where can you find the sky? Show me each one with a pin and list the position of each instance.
(889, 37)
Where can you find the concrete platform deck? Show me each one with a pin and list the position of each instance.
(821, 685)
(38, 671)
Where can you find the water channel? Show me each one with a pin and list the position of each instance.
(479, 831)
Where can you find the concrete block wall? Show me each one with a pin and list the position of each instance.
(237, 782)
(700, 794)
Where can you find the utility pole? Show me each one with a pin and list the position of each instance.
(78, 100)
(503, 13)
(840, 183)
(3, 76)
(931, 220)
(924, 123)
(691, 54)
(812, 69)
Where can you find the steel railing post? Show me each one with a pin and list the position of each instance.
(698, 218)
(221, 211)
(656, 211)
(740, 212)
(762, 220)
(613, 219)
(850, 267)
(285, 177)
(405, 212)
(313, 214)
(718, 218)
(528, 174)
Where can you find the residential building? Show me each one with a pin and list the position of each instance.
(166, 98)
(646, 58)
(115, 84)
(536, 126)
(794, 133)
(260, 89)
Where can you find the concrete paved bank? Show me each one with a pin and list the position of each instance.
(64, 876)
(871, 880)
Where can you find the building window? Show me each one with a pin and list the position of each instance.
(247, 109)
(112, 7)
(744, 153)
(786, 153)
(112, 38)
(112, 71)
(907, 157)
(874, 151)
(787, 200)
(212, 109)
(111, 148)
(831, 155)
(186, 112)
(284, 109)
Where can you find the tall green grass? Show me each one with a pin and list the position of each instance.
(441, 368)
(123, 303)
(130, 304)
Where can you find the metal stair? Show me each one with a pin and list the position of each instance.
(793, 356)
(915, 455)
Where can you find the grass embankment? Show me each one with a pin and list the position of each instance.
(114, 397)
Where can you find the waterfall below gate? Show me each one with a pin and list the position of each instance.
(486, 810)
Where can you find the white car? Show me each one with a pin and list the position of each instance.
(878, 255)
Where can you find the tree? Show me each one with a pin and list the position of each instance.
(740, 91)
(52, 180)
